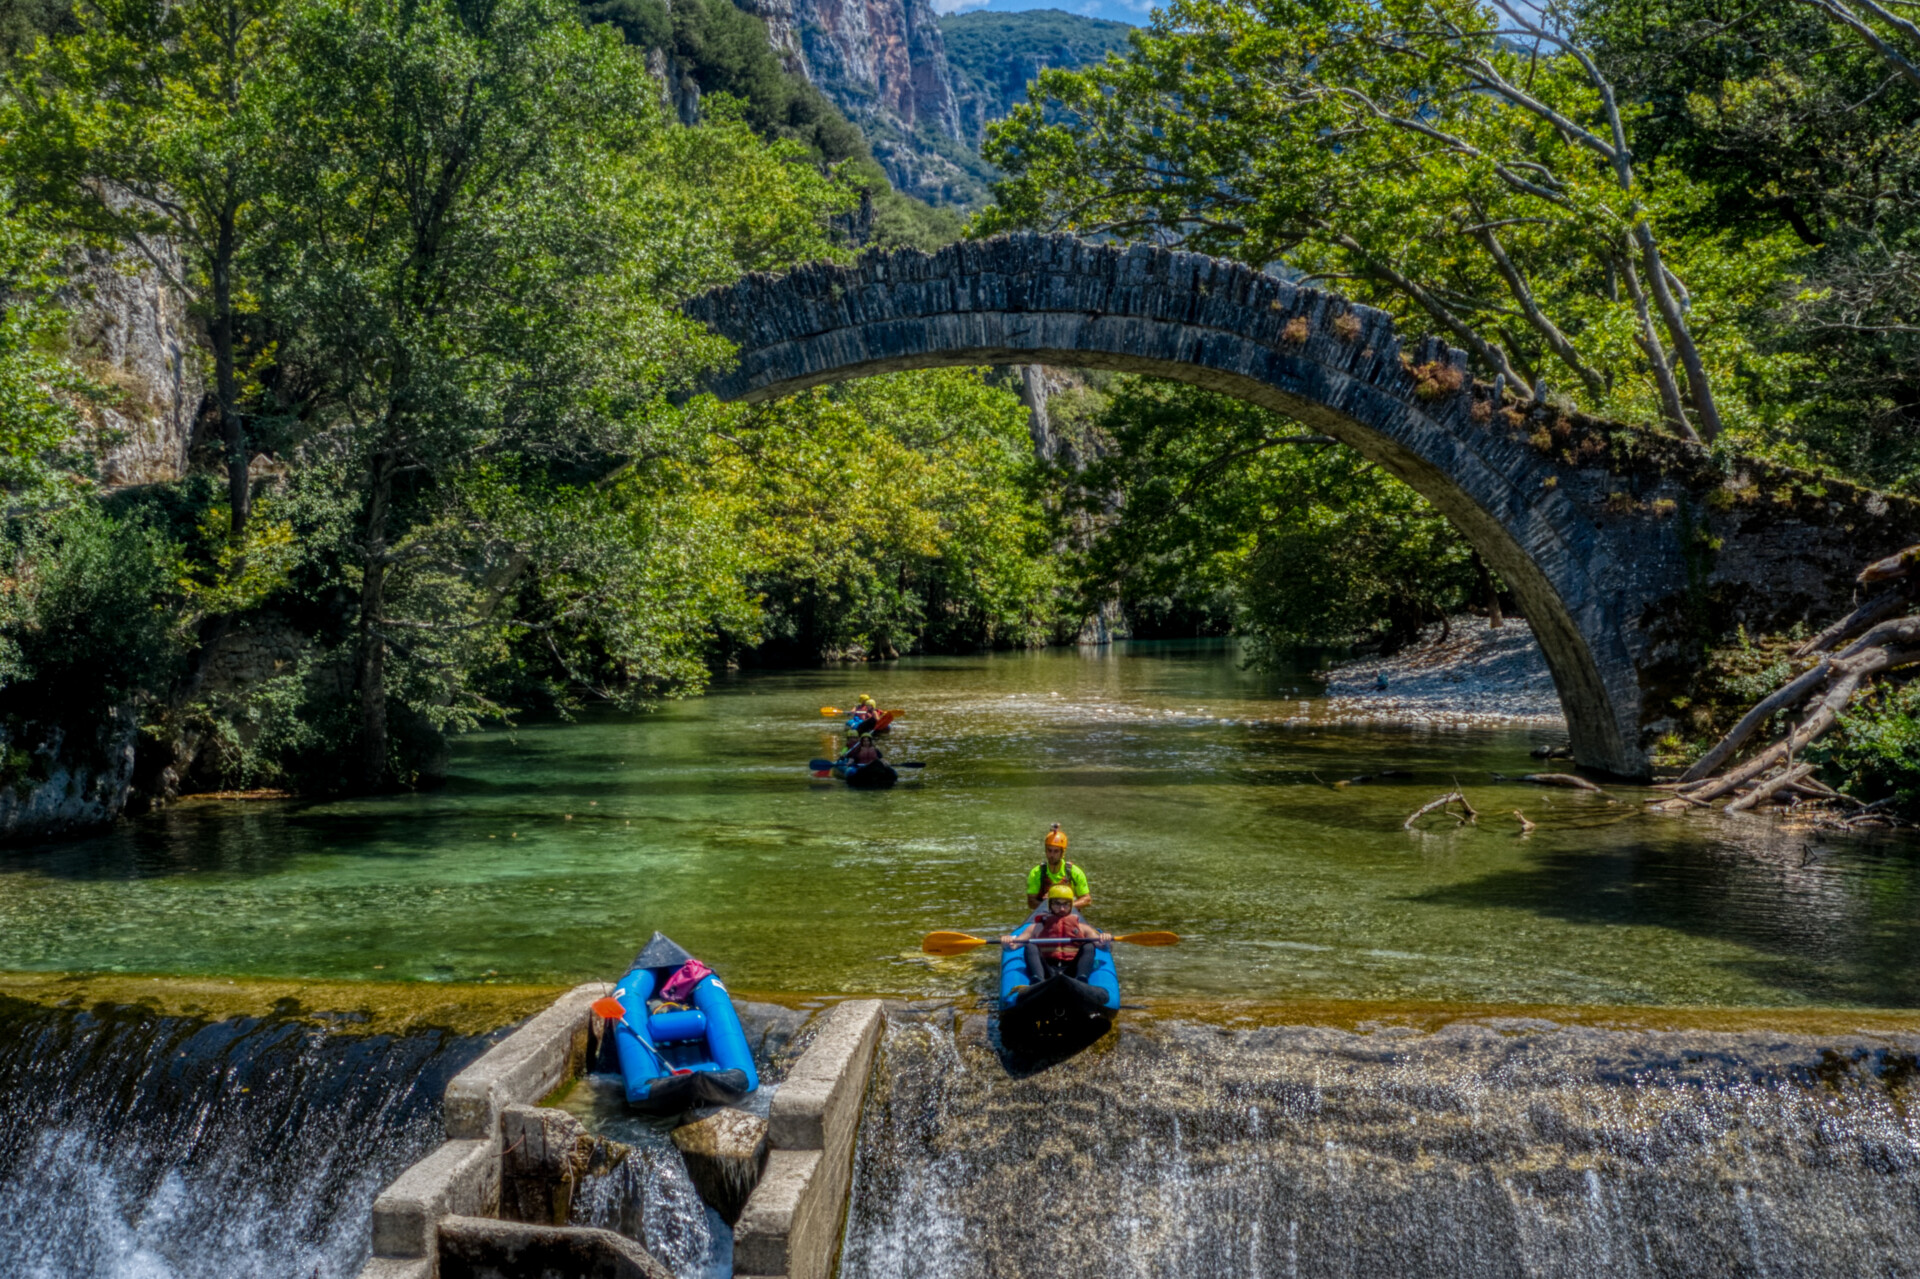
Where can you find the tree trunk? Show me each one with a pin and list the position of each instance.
(1488, 592)
(372, 657)
(1683, 344)
(226, 384)
(1656, 354)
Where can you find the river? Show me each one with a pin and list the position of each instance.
(1198, 796)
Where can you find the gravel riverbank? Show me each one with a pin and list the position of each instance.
(1476, 673)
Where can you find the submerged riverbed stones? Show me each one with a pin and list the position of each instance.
(725, 1153)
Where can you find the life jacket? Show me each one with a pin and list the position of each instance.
(1067, 925)
(1048, 879)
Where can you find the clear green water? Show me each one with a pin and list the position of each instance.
(1187, 785)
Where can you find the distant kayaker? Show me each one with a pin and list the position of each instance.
(866, 715)
(1056, 869)
(1059, 919)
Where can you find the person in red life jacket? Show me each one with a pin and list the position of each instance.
(865, 716)
(1056, 869)
(1059, 920)
(862, 752)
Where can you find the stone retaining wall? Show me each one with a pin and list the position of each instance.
(440, 1218)
(793, 1221)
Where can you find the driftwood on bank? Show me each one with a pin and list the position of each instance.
(1881, 635)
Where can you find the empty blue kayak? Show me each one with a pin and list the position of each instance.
(1059, 1015)
(677, 1059)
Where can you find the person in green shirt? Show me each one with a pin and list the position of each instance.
(1056, 869)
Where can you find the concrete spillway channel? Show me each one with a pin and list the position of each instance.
(491, 1202)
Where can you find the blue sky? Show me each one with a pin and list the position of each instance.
(1133, 12)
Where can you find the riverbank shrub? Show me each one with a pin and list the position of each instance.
(1874, 753)
(89, 617)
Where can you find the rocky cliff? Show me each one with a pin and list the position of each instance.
(131, 331)
(884, 64)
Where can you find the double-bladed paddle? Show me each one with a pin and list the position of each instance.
(611, 1009)
(944, 943)
(817, 764)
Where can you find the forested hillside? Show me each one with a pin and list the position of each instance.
(993, 56)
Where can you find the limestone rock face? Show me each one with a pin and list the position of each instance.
(54, 783)
(724, 1153)
(131, 330)
(884, 63)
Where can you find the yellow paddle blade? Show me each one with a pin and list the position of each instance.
(828, 710)
(610, 1009)
(950, 943)
(1151, 939)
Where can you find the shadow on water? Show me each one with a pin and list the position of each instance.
(1834, 923)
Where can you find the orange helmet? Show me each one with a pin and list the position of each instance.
(1056, 838)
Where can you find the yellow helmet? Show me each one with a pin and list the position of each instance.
(1056, 838)
(1060, 892)
(866, 700)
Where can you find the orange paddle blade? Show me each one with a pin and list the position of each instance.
(950, 943)
(610, 1009)
(1151, 939)
(828, 710)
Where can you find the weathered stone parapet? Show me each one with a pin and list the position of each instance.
(524, 1067)
(1628, 548)
(791, 1225)
(461, 1177)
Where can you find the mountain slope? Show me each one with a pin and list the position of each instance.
(992, 56)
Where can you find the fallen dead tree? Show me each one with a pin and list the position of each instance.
(1444, 804)
(1880, 636)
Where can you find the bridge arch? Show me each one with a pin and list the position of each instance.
(1307, 353)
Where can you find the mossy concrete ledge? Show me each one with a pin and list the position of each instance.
(792, 1223)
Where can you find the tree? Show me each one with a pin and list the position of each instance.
(1313, 545)
(1473, 165)
(145, 124)
(487, 219)
(892, 514)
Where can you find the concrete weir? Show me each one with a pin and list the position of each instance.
(443, 1218)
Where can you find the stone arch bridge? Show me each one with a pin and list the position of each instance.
(1629, 549)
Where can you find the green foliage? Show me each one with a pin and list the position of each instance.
(1875, 751)
(488, 220)
(1527, 191)
(41, 458)
(723, 52)
(724, 49)
(86, 621)
(892, 514)
(1222, 500)
(1792, 123)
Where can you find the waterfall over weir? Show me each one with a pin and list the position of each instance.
(1488, 1147)
(139, 1146)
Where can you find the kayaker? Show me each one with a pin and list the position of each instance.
(1056, 869)
(863, 752)
(865, 715)
(1059, 920)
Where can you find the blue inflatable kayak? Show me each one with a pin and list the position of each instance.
(878, 775)
(678, 1059)
(1059, 1015)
